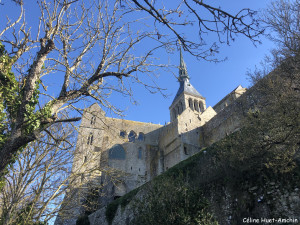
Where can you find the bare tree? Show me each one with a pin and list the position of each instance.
(36, 182)
(281, 23)
(43, 181)
(89, 48)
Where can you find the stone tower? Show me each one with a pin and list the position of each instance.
(187, 96)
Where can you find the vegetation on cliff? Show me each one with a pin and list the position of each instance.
(262, 158)
(173, 201)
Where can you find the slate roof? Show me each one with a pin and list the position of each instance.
(184, 79)
(187, 88)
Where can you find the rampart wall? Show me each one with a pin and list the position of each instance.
(230, 119)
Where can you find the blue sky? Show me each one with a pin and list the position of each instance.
(212, 80)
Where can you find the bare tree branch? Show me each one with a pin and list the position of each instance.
(92, 49)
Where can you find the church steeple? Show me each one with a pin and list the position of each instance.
(183, 74)
(187, 96)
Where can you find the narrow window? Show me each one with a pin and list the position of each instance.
(181, 107)
(85, 159)
(191, 103)
(200, 108)
(185, 150)
(90, 139)
(93, 120)
(196, 106)
(140, 153)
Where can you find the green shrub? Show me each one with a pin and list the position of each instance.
(172, 201)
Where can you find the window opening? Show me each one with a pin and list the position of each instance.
(117, 152)
(181, 107)
(140, 153)
(191, 103)
(122, 133)
(90, 139)
(93, 120)
(201, 106)
(196, 105)
(185, 150)
(141, 136)
(131, 136)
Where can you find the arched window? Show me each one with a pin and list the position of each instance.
(196, 106)
(200, 109)
(122, 133)
(141, 136)
(191, 103)
(140, 153)
(117, 152)
(131, 136)
(90, 139)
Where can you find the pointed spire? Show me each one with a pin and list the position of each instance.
(184, 79)
(183, 74)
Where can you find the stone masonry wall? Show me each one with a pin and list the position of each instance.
(230, 119)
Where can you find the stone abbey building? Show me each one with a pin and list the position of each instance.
(119, 155)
